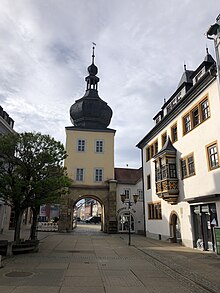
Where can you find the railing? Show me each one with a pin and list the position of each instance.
(47, 227)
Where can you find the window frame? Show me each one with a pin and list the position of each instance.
(127, 192)
(140, 194)
(163, 140)
(174, 126)
(100, 179)
(148, 182)
(154, 213)
(214, 143)
(80, 146)
(195, 118)
(151, 150)
(79, 176)
(99, 146)
(187, 167)
(186, 123)
(207, 109)
(203, 114)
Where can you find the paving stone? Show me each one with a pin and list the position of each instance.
(76, 272)
(73, 282)
(36, 289)
(115, 278)
(82, 290)
(7, 289)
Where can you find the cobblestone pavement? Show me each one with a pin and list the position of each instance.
(88, 261)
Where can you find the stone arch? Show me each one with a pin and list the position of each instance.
(175, 227)
(106, 195)
(92, 196)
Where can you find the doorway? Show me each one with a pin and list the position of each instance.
(204, 220)
(123, 222)
(175, 229)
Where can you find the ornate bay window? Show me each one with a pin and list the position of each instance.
(165, 173)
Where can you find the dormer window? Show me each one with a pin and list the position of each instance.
(158, 119)
(198, 76)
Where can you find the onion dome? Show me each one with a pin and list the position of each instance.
(91, 111)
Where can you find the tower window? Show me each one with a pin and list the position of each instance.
(98, 175)
(99, 146)
(81, 145)
(79, 174)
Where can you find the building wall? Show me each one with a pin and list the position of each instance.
(89, 160)
(136, 209)
(204, 182)
(6, 126)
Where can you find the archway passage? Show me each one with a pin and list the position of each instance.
(175, 228)
(105, 195)
(88, 215)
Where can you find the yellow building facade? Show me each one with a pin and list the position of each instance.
(90, 161)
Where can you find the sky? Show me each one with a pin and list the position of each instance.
(141, 49)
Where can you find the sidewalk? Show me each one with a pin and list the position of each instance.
(91, 261)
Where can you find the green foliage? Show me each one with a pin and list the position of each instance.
(31, 170)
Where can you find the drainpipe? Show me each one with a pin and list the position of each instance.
(142, 162)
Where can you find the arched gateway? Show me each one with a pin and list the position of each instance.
(90, 149)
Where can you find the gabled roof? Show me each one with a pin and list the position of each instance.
(128, 176)
(186, 77)
(167, 149)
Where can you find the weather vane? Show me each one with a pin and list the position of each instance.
(93, 51)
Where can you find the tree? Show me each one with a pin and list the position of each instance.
(31, 173)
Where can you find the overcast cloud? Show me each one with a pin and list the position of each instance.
(142, 45)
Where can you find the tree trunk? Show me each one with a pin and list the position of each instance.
(33, 234)
(18, 218)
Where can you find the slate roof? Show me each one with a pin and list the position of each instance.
(186, 77)
(168, 148)
(128, 176)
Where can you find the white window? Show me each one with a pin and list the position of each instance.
(79, 174)
(98, 175)
(127, 193)
(140, 194)
(99, 146)
(81, 145)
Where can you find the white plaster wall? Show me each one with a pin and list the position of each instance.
(136, 209)
(205, 182)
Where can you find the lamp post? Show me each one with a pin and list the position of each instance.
(213, 33)
(129, 203)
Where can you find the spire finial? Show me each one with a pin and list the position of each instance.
(184, 65)
(93, 52)
(207, 50)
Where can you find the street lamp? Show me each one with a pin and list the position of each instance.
(129, 203)
(213, 33)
